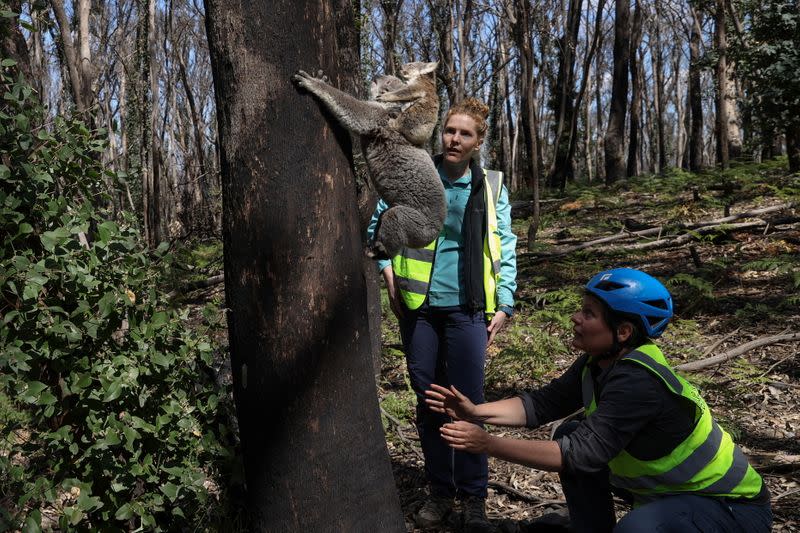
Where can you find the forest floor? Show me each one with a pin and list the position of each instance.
(731, 285)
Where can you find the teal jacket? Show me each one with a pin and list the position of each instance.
(447, 287)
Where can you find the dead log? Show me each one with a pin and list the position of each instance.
(200, 284)
(664, 229)
(730, 354)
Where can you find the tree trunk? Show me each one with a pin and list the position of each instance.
(721, 124)
(658, 92)
(70, 56)
(565, 111)
(695, 97)
(635, 130)
(793, 146)
(614, 138)
(314, 453)
(12, 42)
(520, 17)
(391, 14)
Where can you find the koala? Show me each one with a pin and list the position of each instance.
(418, 119)
(401, 171)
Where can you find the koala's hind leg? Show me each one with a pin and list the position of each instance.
(357, 116)
(401, 226)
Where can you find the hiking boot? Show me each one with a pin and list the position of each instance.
(434, 511)
(475, 520)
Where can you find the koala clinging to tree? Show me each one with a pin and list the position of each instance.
(392, 131)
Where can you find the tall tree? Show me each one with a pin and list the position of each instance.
(695, 96)
(720, 94)
(635, 129)
(312, 439)
(563, 99)
(614, 138)
(519, 15)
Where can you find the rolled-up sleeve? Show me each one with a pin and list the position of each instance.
(630, 399)
(373, 224)
(558, 399)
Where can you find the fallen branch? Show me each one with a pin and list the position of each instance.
(744, 348)
(399, 430)
(703, 224)
(508, 489)
(200, 284)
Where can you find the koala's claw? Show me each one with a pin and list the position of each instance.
(304, 79)
(377, 251)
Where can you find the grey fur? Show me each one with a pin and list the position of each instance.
(403, 174)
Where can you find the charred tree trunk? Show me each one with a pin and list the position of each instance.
(520, 17)
(793, 146)
(695, 97)
(565, 110)
(391, 13)
(314, 454)
(614, 138)
(721, 124)
(636, 94)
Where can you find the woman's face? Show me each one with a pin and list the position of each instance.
(591, 334)
(460, 138)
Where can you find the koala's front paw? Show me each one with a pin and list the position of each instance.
(377, 251)
(305, 80)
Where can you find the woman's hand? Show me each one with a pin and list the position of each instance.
(449, 402)
(465, 436)
(498, 321)
(393, 292)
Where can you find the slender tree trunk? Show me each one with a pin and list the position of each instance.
(391, 13)
(314, 454)
(562, 168)
(520, 16)
(793, 146)
(721, 124)
(635, 130)
(70, 56)
(614, 138)
(658, 93)
(695, 97)
(12, 42)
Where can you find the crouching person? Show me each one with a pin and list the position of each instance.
(646, 431)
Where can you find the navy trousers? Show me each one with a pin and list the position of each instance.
(446, 346)
(591, 508)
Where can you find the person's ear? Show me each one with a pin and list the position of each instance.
(624, 331)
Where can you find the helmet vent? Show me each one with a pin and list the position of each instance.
(608, 285)
(661, 304)
(653, 320)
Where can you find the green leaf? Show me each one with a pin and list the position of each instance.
(8, 62)
(170, 490)
(33, 522)
(124, 512)
(113, 391)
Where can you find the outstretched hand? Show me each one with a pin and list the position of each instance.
(465, 436)
(449, 402)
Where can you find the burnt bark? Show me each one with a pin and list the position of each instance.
(635, 130)
(314, 454)
(695, 97)
(614, 138)
(721, 124)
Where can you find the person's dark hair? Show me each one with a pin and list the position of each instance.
(614, 318)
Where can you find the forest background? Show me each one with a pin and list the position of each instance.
(663, 135)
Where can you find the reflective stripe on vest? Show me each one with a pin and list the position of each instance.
(707, 461)
(413, 266)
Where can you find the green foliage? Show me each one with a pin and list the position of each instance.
(769, 57)
(111, 416)
(527, 355)
(690, 291)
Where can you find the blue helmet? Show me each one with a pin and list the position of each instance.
(633, 292)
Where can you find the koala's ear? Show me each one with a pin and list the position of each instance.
(429, 67)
